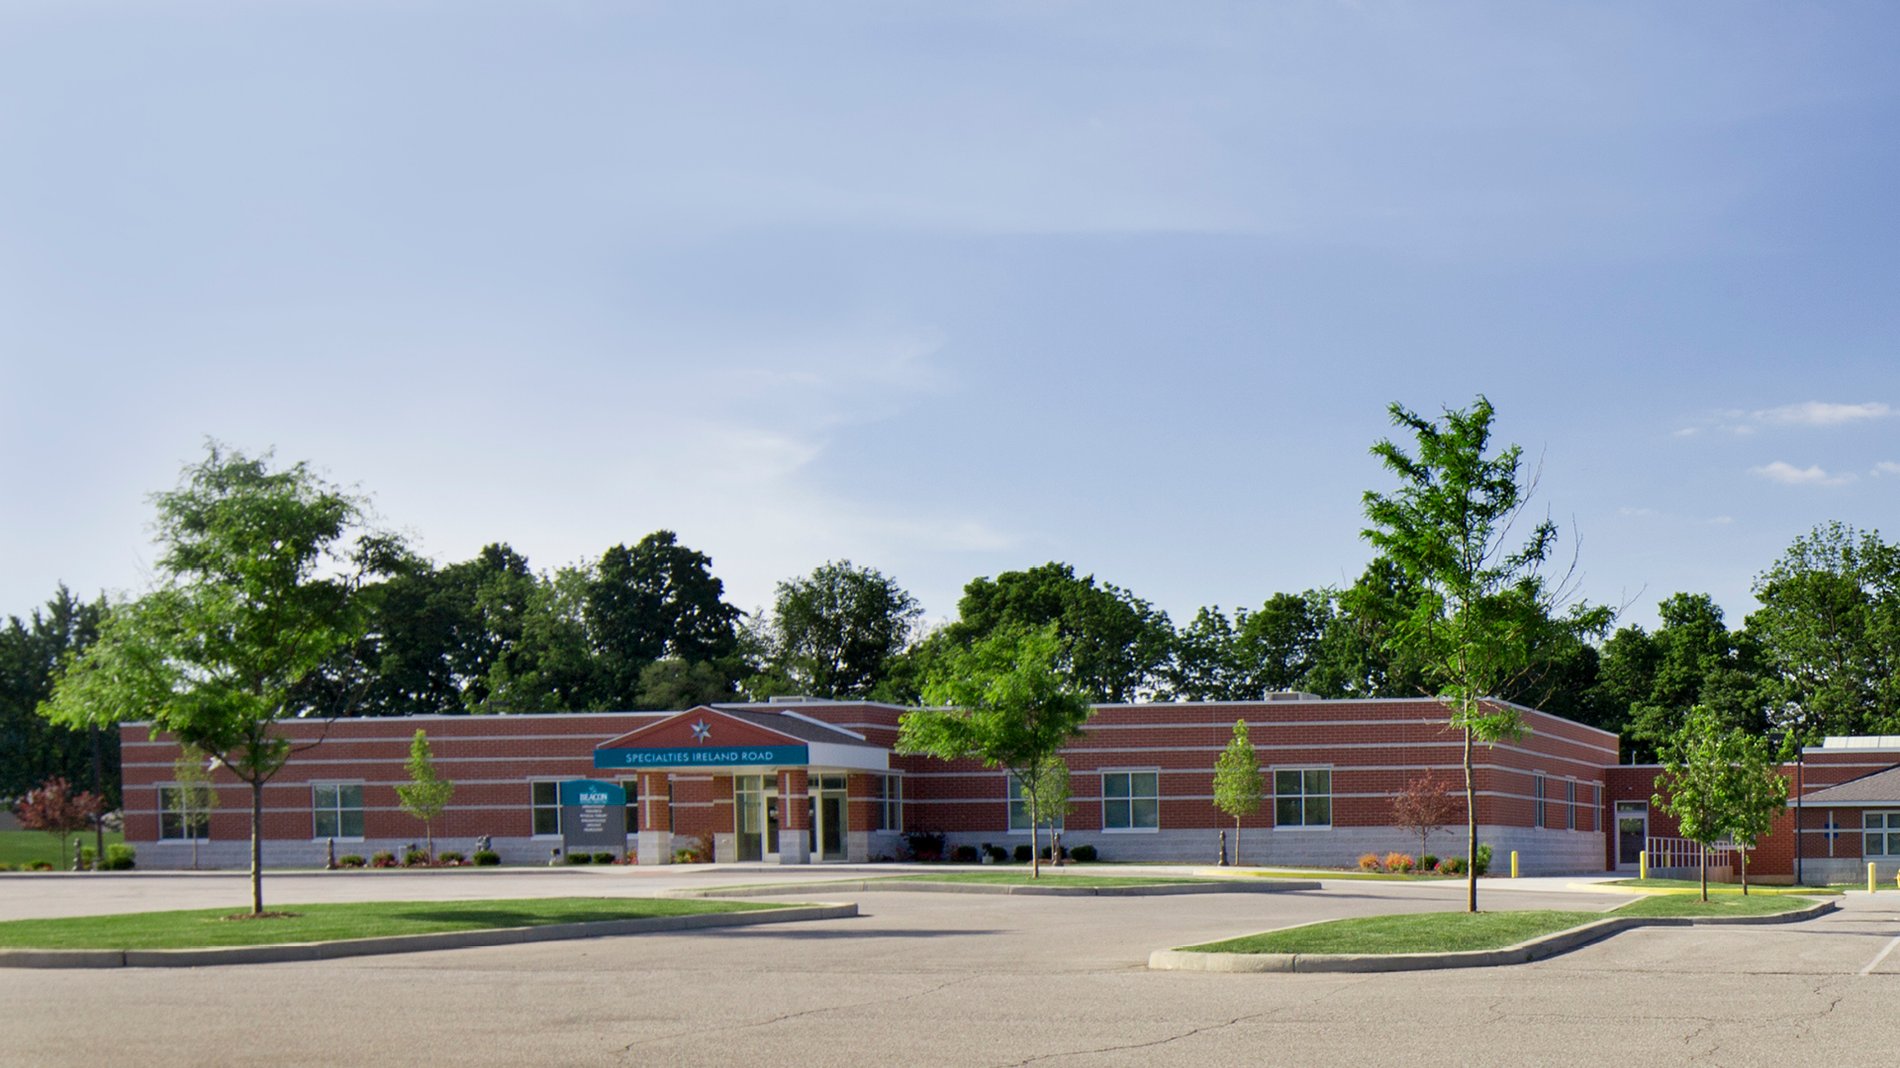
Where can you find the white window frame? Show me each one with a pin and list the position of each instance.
(200, 817)
(1302, 769)
(1130, 798)
(1013, 799)
(888, 804)
(1537, 807)
(336, 810)
(1570, 802)
(1889, 830)
(534, 808)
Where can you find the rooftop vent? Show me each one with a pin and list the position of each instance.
(1291, 695)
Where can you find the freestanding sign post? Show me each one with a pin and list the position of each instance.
(593, 816)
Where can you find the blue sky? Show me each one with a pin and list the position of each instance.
(952, 289)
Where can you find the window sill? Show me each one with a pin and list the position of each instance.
(1131, 830)
(1297, 828)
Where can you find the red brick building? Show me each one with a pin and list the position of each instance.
(805, 781)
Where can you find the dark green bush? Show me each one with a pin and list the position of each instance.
(1083, 854)
(964, 854)
(1428, 862)
(351, 860)
(450, 856)
(606, 858)
(999, 854)
(580, 858)
(120, 857)
(384, 859)
(1483, 863)
(486, 858)
(415, 858)
(1023, 854)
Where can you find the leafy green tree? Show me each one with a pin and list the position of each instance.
(548, 667)
(1719, 781)
(1239, 784)
(33, 749)
(1692, 659)
(658, 600)
(1358, 653)
(426, 793)
(1483, 616)
(836, 632)
(1206, 664)
(1829, 628)
(1118, 645)
(193, 797)
(672, 683)
(1005, 701)
(258, 576)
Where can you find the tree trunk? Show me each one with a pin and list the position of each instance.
(1741, 857)
(1471, 832)
(1236, 841)
(1705, 873)
(257, 848)
(1035, 847)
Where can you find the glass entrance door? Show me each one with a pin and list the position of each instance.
(755, 816)
(828, 817)
(1632, 832)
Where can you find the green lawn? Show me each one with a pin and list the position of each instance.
(199, 928)
(1424, 932)
(1338, 873)
(1725, 905)
(1676, 886)
(22, 847)
(1050, 877)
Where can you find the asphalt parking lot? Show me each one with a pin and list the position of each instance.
(951, 979)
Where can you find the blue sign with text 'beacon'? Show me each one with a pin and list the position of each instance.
(701, 756)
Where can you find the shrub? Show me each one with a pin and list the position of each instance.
(1428, 862)
(1451, 866)
(450, 856)
(415, 858)
(4, 866)
(999, 854)
(964, 854)
(120, 857)
(85, 858)
(1022, 854)
(580, 858)
(351, 860)
(1398, 862)
(486, 858)
(1369, 862)
(1483, 863)
(605, 858)
(925, 845)
(384, 859)
(1083, 854)
(38, 865)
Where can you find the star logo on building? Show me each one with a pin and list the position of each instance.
(702, 732)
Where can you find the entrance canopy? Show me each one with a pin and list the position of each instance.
(707, 737)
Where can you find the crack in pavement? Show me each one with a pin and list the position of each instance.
(627, 1050)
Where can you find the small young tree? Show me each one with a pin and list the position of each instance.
(56, 809)
(1005, 701)
(193, 797)
(1757, 793)
(1424, 806)
(1239, 784)
(1697, 783)
(426, 793)
(1051, 789)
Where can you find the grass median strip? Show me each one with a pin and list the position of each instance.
(206, 928)
(1021, 878)
(1691, 886)
(1458, 932)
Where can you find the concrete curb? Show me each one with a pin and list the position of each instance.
(1522, 953)
(363, 947)
(1263, 886)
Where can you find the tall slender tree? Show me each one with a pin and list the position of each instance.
(1239, 784)
(1483, 614)
(426, 793)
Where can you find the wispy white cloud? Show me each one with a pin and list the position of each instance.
(1887, 467)
(1814, 414)
(1789, 475)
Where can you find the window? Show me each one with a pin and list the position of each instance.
(1537, 789)
(887, 802)
(178, 820)
(1570, 799)
(632, 786)
(1880, 834)
(339, 809)
(1019, 810)
(1303, 797)
(545, 800)
(1131, 800)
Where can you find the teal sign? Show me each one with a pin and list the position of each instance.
(701, 756)
(593, 816)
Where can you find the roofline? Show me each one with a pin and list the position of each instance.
(1440, 701)
(439, 717)
(818, 723)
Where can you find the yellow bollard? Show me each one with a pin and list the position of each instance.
(1513, 863)
(1642, 864)
(1870, 877)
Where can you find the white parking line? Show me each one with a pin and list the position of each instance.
(1882, 955)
